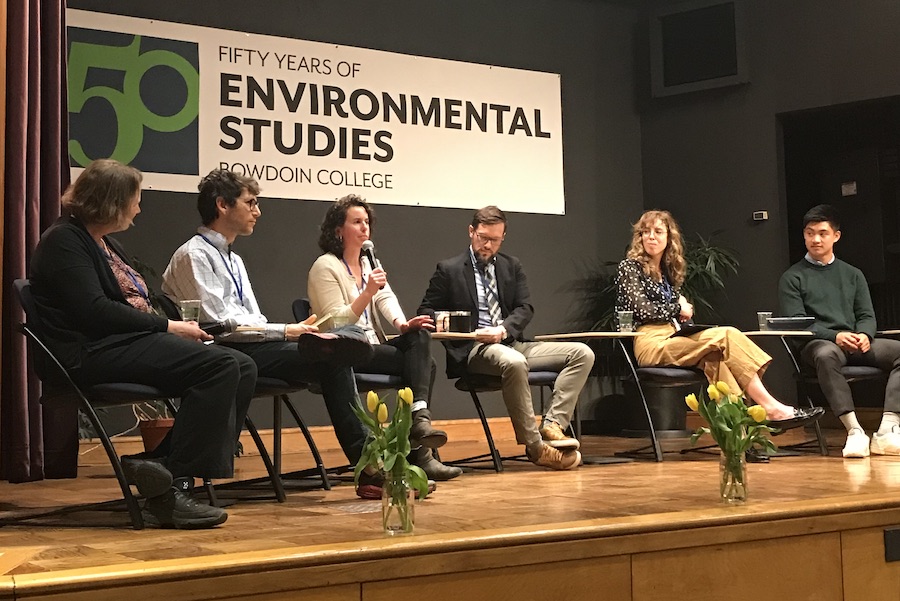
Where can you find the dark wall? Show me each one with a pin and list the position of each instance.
(590, 45)
(714, 157)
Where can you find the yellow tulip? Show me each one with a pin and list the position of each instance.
(691, 401)
(405, 395)
(723, 387)
(713, 392)
(382, 413)
(372, 401)
(757, 413)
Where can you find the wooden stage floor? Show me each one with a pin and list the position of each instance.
(633, 510)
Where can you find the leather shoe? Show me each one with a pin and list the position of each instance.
(801, 418)
(434, 469)
(755, 455)
(422, 433)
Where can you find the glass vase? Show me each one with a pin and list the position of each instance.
(733, 477)
(397, 505)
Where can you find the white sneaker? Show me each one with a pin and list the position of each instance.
(857, 445)
(886, 444)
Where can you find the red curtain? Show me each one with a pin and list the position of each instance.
(35, 443)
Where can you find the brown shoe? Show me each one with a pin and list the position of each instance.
(553, 435)
(556, 459)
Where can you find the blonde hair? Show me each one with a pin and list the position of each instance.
(673, 257)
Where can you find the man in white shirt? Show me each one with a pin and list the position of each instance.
(205, 268)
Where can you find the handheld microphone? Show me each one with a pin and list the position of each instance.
(368, 249)
(217, 328)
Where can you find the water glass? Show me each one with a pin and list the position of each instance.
(190, 310)
(625, 320)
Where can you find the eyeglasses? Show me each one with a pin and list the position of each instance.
(252, 203)
(487, 239)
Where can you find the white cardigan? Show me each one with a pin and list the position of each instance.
(332, 289)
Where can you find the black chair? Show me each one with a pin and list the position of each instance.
(475, 383)
(278, 390)
(655, 378)
(806, 378)
(58, 387)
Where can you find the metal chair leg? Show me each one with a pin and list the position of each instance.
(320, 465)
(274, 475)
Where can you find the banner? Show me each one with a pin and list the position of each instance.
(311, 120)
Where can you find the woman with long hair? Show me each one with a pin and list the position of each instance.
(345, 286)
(649, 283)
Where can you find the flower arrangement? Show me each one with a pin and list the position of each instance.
(736, 428)
(386, 449)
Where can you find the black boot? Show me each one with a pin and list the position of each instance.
(434, 469)
(421, 432)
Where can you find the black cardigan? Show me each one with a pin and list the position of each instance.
(79, 301)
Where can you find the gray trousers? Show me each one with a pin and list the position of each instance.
(827, 358)
(573, 361)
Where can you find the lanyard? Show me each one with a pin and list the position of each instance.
(238, 281)
(358, 289)
(130, 272)
(668, 291)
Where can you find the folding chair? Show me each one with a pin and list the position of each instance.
(475, 383)
(365, 382)
(656, 377)
(806, 378)
(59, 387)
(278, 390)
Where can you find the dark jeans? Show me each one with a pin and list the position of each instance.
(827, 358)
(407, 356)
(215, 385)
(281, 360)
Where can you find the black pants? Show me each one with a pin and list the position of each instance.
(407, 356)
(828, 358)
(281, 360)
(215, 385)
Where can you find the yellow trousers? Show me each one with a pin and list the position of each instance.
(723, 353)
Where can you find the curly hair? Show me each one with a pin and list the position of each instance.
(221, 183)
(335, 217)
(673, 258)
(102, 192)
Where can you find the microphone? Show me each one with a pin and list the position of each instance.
(368, 249)
(217, 328)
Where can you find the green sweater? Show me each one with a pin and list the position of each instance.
(837, 295)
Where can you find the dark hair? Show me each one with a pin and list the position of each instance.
(488, 215)
(335, 218)
(820, 213)
(102, 192)
(224, 184)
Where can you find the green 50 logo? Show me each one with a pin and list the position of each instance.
(134, 99)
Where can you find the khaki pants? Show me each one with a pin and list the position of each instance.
(723, 353)
(573, 360)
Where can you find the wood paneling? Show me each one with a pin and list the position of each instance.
(792, 569)
(609, 579)
(867, 577)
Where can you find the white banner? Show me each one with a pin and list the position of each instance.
(311, 120)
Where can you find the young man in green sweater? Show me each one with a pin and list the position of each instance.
(837, 295)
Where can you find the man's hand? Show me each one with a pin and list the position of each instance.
(377, 280)
(292, 331)
(687, 309)
(490, 335)
(188, 330)
(849, 342)
(419, 322)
